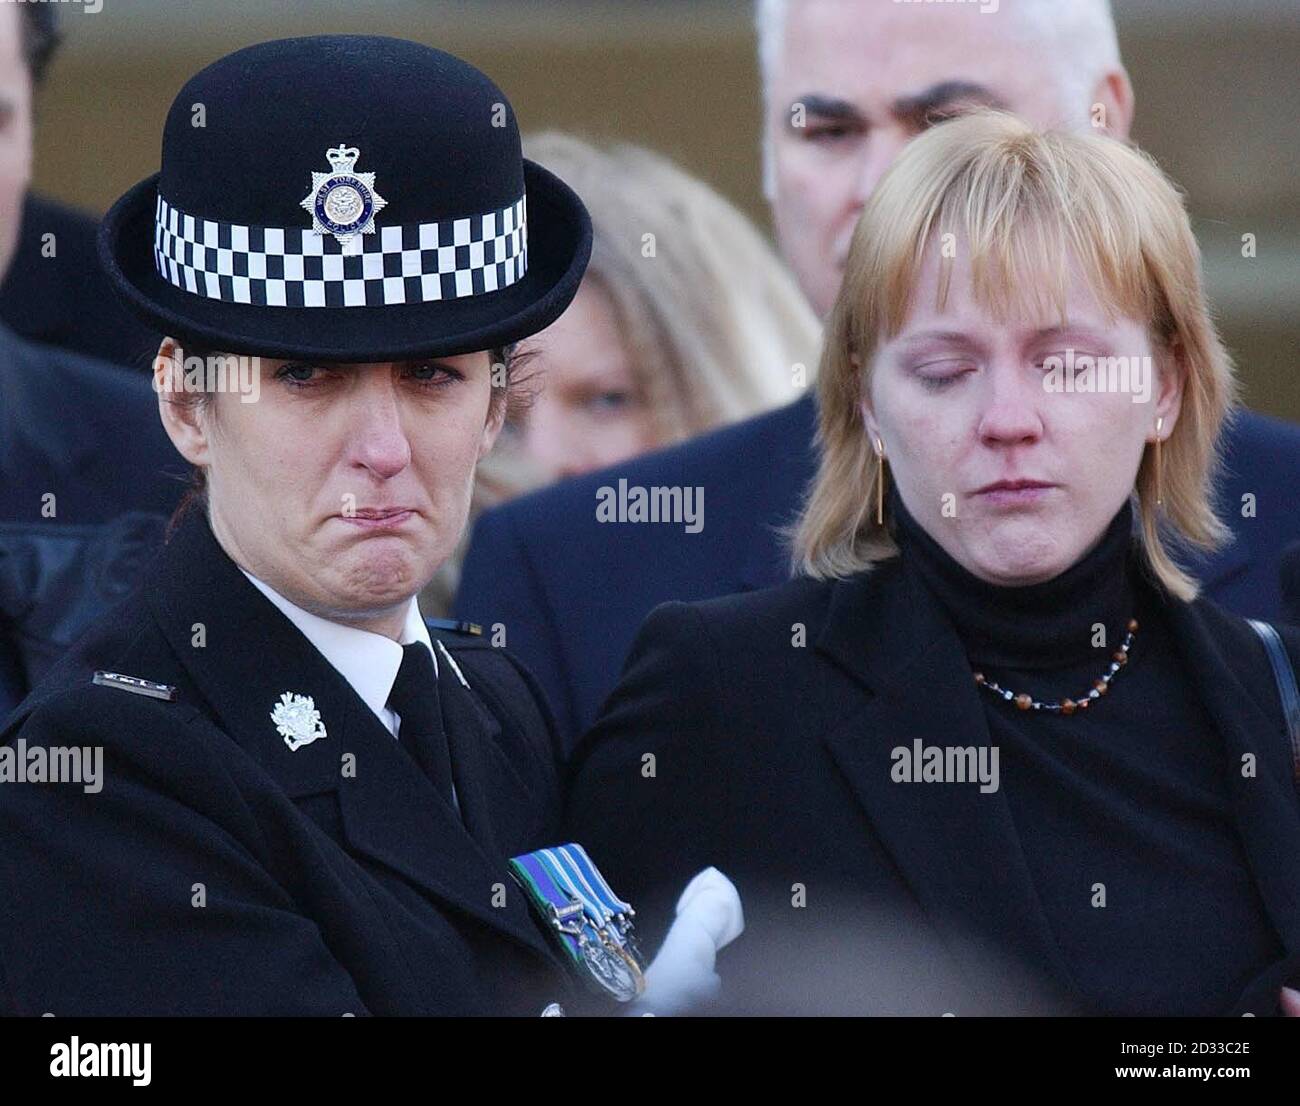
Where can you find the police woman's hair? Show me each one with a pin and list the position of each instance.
(510, 357)
(1025, 203)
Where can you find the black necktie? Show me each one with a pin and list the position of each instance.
(415, 700)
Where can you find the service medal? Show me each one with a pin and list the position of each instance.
(612, 968)
(592, 925)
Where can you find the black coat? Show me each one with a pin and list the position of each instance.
(754, 733)
(87, 433)
(66, 300)
(328, 890)
(571, 590)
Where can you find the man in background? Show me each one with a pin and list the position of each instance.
(846, 84)
(84, 461)
(55, 291)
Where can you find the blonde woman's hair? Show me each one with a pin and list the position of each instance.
(714, 323)
(1024, 204)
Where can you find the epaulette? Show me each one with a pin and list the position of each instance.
(135, 685)
(455, 626)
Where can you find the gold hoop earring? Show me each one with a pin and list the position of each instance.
(1160, 425)
(880, 483)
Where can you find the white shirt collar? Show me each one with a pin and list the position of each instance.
(368, 661)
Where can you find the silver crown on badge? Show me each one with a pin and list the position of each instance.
(343, 202)
(297, 720)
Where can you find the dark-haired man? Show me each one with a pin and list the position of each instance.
(80, 444)
(53, 290)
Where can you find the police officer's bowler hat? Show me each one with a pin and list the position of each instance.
(346, 198)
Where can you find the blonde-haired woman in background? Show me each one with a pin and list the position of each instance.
(686, 320)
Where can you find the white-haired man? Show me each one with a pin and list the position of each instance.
(846, 84)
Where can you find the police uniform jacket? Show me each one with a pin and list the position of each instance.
(218, 871)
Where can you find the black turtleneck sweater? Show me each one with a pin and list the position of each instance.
(1130, 794)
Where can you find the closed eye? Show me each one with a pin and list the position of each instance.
(939, 374)
(1062, 357)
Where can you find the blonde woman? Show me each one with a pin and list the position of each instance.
(686, 319)
(993, 699)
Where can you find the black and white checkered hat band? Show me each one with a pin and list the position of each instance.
(283, 267)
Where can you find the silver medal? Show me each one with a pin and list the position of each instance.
(611, 969)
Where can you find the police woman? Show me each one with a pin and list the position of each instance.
(307, 799)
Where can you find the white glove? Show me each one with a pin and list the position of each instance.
(709, 917)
